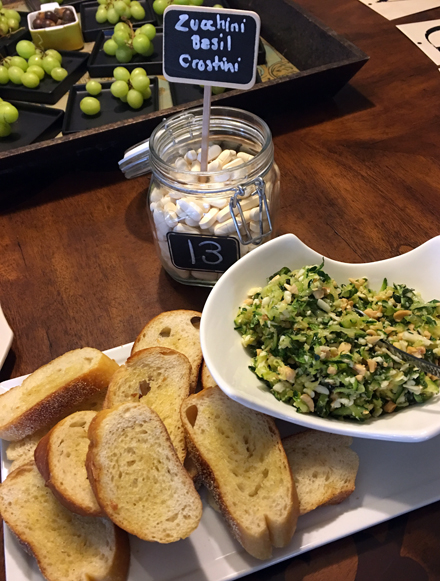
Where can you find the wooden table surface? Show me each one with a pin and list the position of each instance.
(360, 182)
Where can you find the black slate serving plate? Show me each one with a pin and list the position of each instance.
(35, 123)
(7, 43)
(49, 91)
(112, 109)
(91, 28)
(102, 65)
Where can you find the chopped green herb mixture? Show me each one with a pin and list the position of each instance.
(318, 355)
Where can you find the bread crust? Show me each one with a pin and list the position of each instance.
(119, 567)
(279, 535)
(57, 404)
(44, 461)
(206, 378)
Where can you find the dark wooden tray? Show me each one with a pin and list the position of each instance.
(326, 62)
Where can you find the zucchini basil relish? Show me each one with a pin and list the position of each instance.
(318, 355)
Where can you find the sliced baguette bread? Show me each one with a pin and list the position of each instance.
(206, 378)
(61, 459)
(160, 378)
(240, 458)
(177, 330)
(54, 391)
(324, 467)
(67, 547)
(137, 476)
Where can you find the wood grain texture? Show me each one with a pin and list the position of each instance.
(360, 180)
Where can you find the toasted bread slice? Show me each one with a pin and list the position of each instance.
(206, 378)
(54, 391)
(160, 378)
(67, 547)
(240, 458)
(324, 467)
(137, 476)
(61, 459)
(177, 330)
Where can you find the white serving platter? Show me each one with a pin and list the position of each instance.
(221, 343)
(6, 336)
(394, 478)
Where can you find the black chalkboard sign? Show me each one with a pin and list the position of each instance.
(197, 252)
(210, 46)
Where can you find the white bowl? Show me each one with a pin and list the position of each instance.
(6, 336)
(228, 361)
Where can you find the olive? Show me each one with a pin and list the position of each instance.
(38, 23)
(48, 23)
(59, 12)
(68, 16)
(49, 15)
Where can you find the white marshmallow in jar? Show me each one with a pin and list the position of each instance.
(203, 222)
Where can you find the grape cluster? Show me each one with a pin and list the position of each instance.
(131, 88)
(159, 6)
(31, 65)
(8, 115)
(113, 10)
(9, 20)
(127, 42)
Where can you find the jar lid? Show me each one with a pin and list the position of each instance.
(136, 161)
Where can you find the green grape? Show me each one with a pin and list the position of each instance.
(36, 59)
(12, 14)
(102, 2)
(15, 74)
(101, 15)
(135, 99)
(146, 94)
(1, 4)
(127, 2)
(90, 106)
(123, 99)
(120, 6)
(8, 113)
(123, 54)
(4, 28)
(137, 11)
(121, 26)
(18, 61)
(25, 48)
(58, 74)
(110, 47)
(218, 6)
(196, 2)
(121, 37)
(5, 129)
(159, 6)
(50, 63)
(7, 62)
(121, 74)
(93, 88)
(4, 75)
(36, 70)
(127, 12)
(138, 71)
(112, 16)
(55, 54)
(13, 24)
(30, 80)
(140, 83)
(149, 30)
(181, 2)
(150, 50)
(119, 89)
(217, 90)
(141, 44)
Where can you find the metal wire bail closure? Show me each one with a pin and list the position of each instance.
(241, 222)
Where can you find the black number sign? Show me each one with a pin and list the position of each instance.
(210, 46)
(196, 252)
